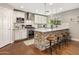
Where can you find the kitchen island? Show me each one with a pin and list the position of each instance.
(41, 34)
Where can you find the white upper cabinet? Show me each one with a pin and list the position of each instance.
(40, 19)
(18, 14)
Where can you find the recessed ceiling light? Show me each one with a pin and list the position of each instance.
(61, 8)
(21, 7)
(50, 3)
(36, 11)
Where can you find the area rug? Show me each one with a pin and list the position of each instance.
(29, 42)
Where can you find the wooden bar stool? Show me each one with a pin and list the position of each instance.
(67, 38)
(59, 40)
(52, 39)
(59, 43)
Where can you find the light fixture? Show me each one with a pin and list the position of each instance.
(21, 7)
(46, 11)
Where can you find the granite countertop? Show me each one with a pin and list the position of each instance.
(20, 29)
(48, 30)
(52, 29)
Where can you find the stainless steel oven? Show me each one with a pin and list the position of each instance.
(30, 31)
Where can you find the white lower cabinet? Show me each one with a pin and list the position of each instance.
(20, 34)
(23, 34)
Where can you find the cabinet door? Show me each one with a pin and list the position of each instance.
(40, 19)
(36, 19)
(20, 34)
(17, 34)
(23, 34)
(44, 20)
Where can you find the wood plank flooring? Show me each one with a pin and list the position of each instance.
(19, 48)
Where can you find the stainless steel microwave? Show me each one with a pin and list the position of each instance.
(19, 20)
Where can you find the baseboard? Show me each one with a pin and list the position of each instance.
(11, 41)
(75, 39)
(5, 45)
(21, 40)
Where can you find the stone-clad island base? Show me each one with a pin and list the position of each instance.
(40, 39)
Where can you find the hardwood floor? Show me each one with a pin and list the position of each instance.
(19, 48)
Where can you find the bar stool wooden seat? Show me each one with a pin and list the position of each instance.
(52, 39)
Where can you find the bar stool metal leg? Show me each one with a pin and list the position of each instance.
(50, 48)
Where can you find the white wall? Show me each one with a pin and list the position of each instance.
(74, 25)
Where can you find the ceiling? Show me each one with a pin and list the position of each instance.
(44, 8)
